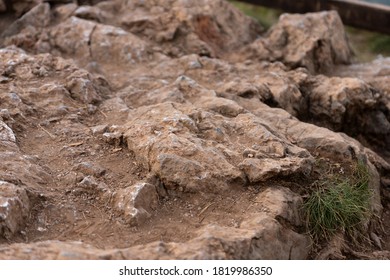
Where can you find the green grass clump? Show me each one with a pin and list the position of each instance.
(380, 44)
(368, 45)
(339, 204)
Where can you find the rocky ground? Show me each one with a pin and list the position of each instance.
(172, 129)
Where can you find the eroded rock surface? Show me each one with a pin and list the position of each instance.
(315, 41)
(180, 127)
(194, 150)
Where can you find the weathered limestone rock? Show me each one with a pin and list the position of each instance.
(203, 27)
(61, 83)
(321, 142)
(73, 37)
(7, 137)
(105, 44)
(25, 31)
(347, 104)
(114, 45)
(260, 170)
(15, 171)
(281, 203)
(14, 208)
(376, 75)
(135, 203)
(316, 41)
(193, 150)
(81, 87)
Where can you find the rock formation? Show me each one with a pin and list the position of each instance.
(176, 129)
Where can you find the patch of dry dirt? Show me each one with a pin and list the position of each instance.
(62, 211)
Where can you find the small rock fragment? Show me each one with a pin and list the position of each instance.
(113, 138)
(376, 240)
(88, 168)
(136, 203)
(88, 182)
(99, 129)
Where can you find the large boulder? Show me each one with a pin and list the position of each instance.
(203, 27)
(195, 150)
(316, 41)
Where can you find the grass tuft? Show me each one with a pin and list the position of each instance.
(339, 204)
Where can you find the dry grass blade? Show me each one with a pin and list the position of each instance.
(205, 208)
(47, 132)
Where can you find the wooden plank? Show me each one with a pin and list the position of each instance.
(374, 17)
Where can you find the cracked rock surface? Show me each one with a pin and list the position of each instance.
(173, 129)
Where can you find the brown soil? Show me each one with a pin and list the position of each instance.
(63, 212)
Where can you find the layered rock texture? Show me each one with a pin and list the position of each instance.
(172, 129)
